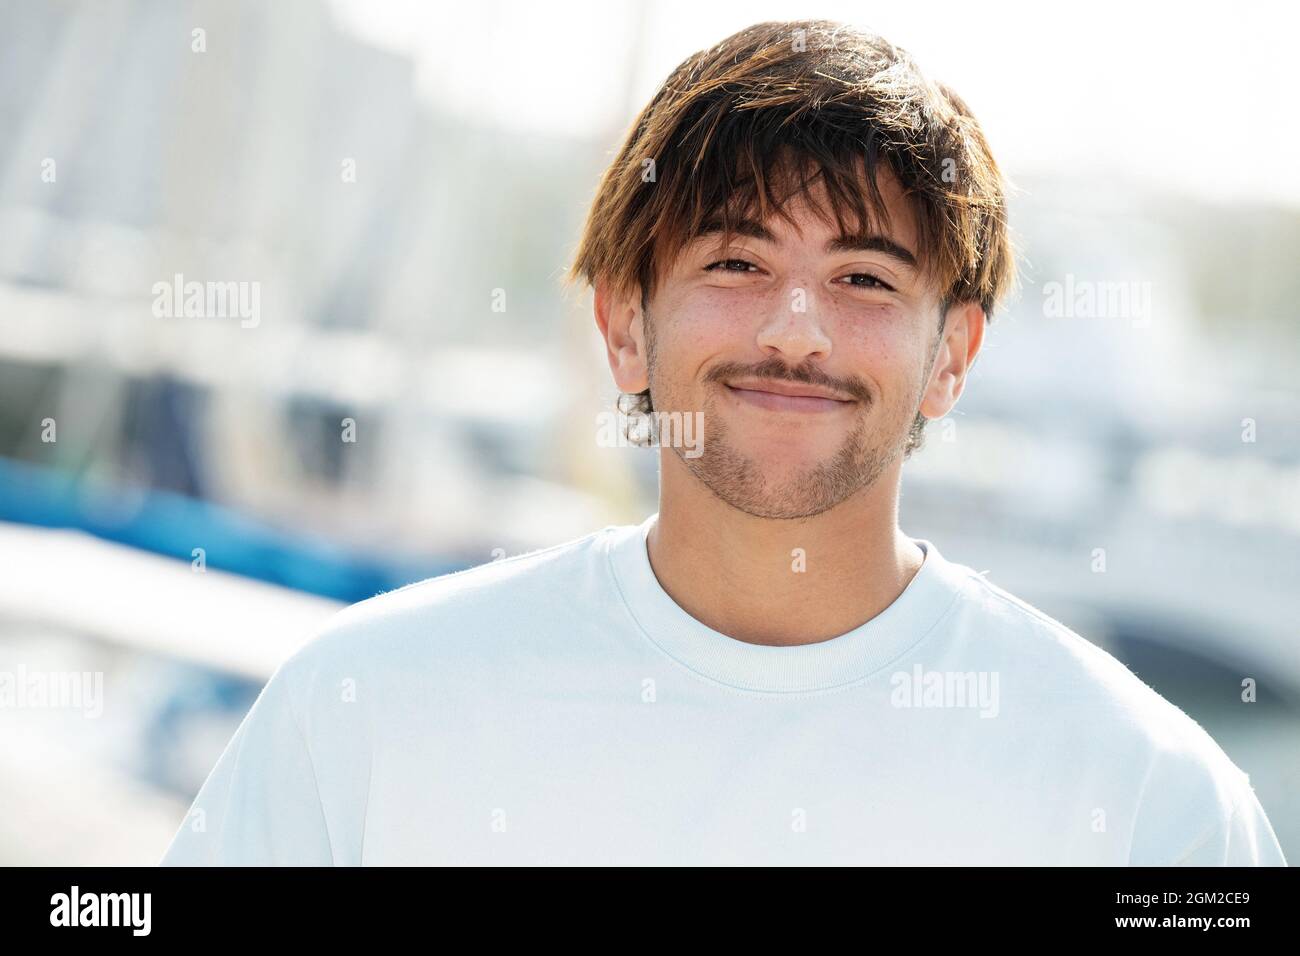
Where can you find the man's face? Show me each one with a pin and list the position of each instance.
(808, 356)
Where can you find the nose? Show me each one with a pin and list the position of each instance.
(794, 328)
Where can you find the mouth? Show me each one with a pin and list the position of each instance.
(787, 396)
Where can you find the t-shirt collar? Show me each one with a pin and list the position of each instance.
(825, 665)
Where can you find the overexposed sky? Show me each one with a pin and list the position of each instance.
(1194, 97)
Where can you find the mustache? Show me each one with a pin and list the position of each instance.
(774, 368)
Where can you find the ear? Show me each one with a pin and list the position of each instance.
(960, 341)
(621, 325)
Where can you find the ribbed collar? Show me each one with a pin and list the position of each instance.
(824, 665)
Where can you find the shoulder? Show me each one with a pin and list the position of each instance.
(1068, 668)
(1185, 786)
(441, 614)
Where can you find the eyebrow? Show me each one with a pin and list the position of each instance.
(868, 242)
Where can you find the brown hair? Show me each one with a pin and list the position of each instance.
(787, 103)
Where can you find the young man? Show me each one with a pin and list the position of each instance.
(800, 242)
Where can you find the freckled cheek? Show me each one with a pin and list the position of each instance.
(871, 342)
(724, 311)
(879, 341)
(875, 347)
(704, 330)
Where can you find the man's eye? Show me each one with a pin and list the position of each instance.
(871, 282)
(727, 263)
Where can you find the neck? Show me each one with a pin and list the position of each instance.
(779, 582)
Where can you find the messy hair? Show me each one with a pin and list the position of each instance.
(738, 129)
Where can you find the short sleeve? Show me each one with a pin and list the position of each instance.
(1246, 838)
(260, 805)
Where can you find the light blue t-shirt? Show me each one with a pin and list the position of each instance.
(560, 708)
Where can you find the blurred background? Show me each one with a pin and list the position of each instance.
(390, 383)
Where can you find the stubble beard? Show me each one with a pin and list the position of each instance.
(738, 480)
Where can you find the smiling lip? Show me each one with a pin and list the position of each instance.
(788, 396)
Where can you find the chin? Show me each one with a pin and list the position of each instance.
(789, 451)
